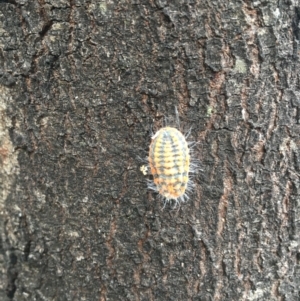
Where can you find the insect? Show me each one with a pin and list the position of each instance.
(170, 164)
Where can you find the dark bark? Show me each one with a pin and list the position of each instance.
(81, 84)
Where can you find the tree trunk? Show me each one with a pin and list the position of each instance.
(82, 84)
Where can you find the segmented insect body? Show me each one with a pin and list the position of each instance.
(169, 160)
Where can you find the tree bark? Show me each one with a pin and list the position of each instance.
(81, 85)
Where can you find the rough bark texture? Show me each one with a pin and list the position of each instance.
(82, 82)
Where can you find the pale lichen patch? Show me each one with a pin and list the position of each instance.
(8, 157)
(240, 66)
